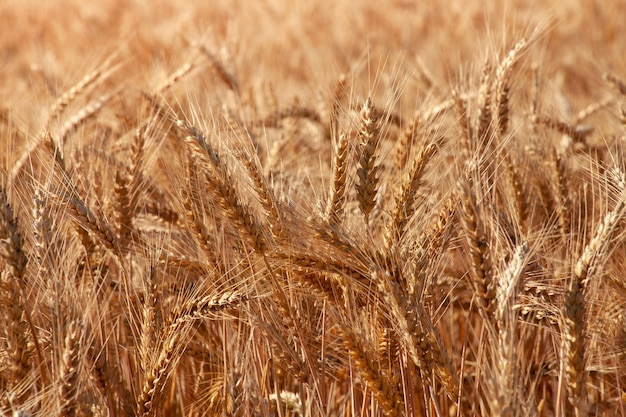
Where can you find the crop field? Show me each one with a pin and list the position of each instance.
(312, 208)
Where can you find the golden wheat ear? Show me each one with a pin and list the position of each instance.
(367, 173)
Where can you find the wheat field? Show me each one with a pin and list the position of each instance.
(338, 208)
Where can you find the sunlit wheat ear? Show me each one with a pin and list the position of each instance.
(384, 390)
(480, 254)
(502, 86)
(367, 173)
(405, 201)
(69, 372)
(485, 94)
(586, 268)
(460, 106)
(336, 200)
(506, 315)
(520, 200)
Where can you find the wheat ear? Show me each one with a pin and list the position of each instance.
(405, 201)
(481, 271)
(70, 370)
(336, 200)
(368, 170)
(501, 88)
(223, 74)
(575, 305)
(383, 389)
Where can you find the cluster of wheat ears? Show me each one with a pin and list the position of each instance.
(164, 254)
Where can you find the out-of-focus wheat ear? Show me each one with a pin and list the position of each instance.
(561, 195)
(70, 95)
(174, 78)
(501, 89)
(519, 195)
(295, 111)
(577, 133)
(485, 94)
(270, 100)
(148, 321)
(460, 105)
(384, 389)
(82, 116)
(222, 73)
(481, 270)
(336, 200)
(617, 82)
(534, 104)
(405, 201)
(367, 172)
(339, 94)
(69, 371)
(592, 109)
